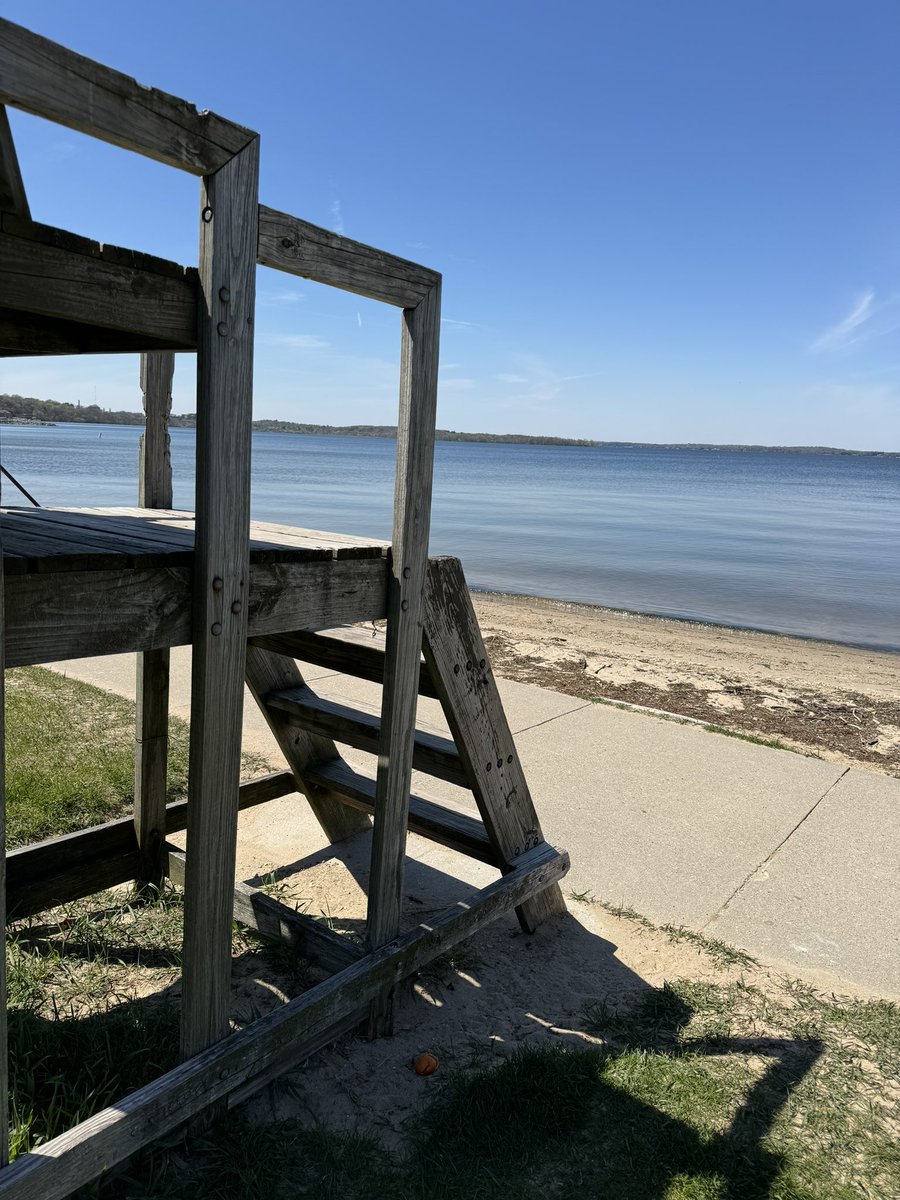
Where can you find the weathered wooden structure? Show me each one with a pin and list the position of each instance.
(249, 599)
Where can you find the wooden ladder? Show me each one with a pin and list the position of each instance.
(480, 756)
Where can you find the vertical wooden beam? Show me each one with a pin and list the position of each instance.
(406, 583)
(12, 189)
(4, 1040)
(228, 237)
(151, 751)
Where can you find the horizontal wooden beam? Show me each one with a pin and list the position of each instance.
(78, 614)
(78, 864)
(352, 651)
(432, 754)
(289, 244)
(44, 78)
(448, 824)
(26, 335)
(271, 919)
(51, 273)
(65, 1163)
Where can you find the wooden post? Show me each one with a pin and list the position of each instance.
(152, 716)
(12, 189)
(406, 585)
(228, 238)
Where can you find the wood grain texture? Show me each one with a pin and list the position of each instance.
(351, 651)
(289, 244)
(152, 712)
(459, 664)
(78, 614)
(78, 864)
(46, 79)
(409, 556)
(440, 821)
(432, 754)
(221, 580)
(268, 674)
(93, 289)
(25, 335)
(65, 1163)
(12, 189)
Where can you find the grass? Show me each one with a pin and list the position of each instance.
(730, 1086)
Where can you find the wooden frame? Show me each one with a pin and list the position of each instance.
(110, 299)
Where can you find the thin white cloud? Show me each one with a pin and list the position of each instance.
(337, 217)
(359, 318)
(281, 297)
(868, 319)
(298, 341)
(460, 324)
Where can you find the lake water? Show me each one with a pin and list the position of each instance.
(791, 543)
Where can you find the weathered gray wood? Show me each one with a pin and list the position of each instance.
(67, 1162)
(269, 674)
(12, 189)
(78, 864)
(402, 656)
(289, 244)
(24, 335)
(64, 284)
(448, 824)
(45, 78)
(354, 650)
(432, 754)
(152, 714)
(79, 614)
(4, 1039)
(459, 664)
(221, 592)
(274, 921)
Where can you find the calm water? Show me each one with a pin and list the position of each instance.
(800, 544)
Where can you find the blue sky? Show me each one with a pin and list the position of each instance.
(656, 221)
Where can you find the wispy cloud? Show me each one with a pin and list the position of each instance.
(460, 324)
(869, 318)
(359, 318)
(504, 377)
(281, 297)
(298, 341)
(337, 217)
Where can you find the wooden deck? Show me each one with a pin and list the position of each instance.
(86, 581)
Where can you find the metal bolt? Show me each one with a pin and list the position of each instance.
(224, 295)
(489, 766)
(509, 758)
(404, 604)
(218, 584)
(517, 851)
(499, 764)
(407, 571)
(216, 629)
(207, 214)
(456, 668)
(481, 663)
(236, 606)
(287, 243)
(222, 329)
(469, 665)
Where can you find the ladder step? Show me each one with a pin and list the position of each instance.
(433, 755)
(347, 649)
(448, 824)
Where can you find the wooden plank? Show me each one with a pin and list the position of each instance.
(459, 664)
(267, 674)
(25, 335)
(81, 1155)
(448, 824)
(352, 650)
(271, 919)
(221, 578)
(64, 284)
(152, 711)
(83, 613)
(432, 754)
(402, 655)
(78, 864)
(46, 79)
(289, 244)
(12, 189)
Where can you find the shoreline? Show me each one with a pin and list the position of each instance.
(829, 699)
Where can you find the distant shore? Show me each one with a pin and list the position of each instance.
(833, 701)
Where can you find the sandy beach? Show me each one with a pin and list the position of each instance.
(833, 701)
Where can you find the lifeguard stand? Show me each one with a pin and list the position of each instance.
(248, 598)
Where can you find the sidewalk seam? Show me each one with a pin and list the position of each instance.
(740, 887)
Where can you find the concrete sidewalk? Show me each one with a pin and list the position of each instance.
(792, 858)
